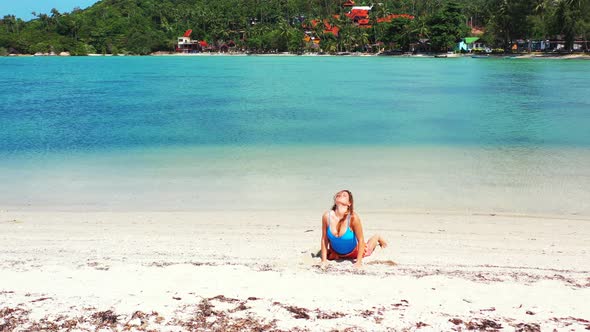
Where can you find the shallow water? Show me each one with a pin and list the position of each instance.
(185, 133)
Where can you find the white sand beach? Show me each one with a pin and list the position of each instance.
(256, 270)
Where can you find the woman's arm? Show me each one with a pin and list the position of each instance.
(324, 237)
(357, 228)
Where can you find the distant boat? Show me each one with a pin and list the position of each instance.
(480, 56)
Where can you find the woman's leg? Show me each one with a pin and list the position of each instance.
(373, 241)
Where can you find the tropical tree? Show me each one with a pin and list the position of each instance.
(419, 28)
(143, 26)
(362, 39)
(447, 26)
(398, 33)
(568, 20)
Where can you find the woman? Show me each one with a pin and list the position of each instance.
(342, 232)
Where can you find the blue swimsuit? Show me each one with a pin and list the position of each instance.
(344, 244)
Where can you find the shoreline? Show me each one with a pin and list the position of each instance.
(173, 271)
(426, 213)
(575, 56)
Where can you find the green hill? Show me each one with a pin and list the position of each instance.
(145, 26)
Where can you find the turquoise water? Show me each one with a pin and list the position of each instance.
(52, 104)
(195, 132)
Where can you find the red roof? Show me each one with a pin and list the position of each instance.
(361, 16)
(203, 43)
(328, 28)
(358, 13)
(348, 3)
(391, 17)
(333, 30)
(475, 31)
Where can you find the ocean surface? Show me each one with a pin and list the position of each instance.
(191, 133)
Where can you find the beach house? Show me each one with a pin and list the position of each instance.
(553, 45)
(359, 15)
(186, 44)
(470, 44)
(558, 44)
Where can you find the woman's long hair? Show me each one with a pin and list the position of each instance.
(350, 208)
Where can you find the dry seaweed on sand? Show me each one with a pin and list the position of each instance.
(223, 298)
(483, 325)
(41, 299)
(205, 308)
(102, 318)
(141, 320)
(367, 313)
(421, 324)
(12, 317)
(328, 315)
(456, 321)
(299, 313)
(523, 327)
(208, 320)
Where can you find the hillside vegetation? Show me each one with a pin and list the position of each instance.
(145, 26)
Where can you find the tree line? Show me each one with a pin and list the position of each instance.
(145, 26)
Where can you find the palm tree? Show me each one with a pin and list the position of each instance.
(575, 4)
(420, 27)
(284, 33)
(45, 21)
(330, 45)
(55, 13)
(55, 17)
(373, 16)
(344, 38)
(362, 39)
(568, 16)
(502, 20)
(75, 28)
(540, 6)
(11, 23)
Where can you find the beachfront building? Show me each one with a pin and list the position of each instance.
(539, 45)
(422, 45)
(472, 44)
(554, 45)
(579, 45)
(227, 47)
(312, 41)
(187, 45)
(359, 15)
(521, 45)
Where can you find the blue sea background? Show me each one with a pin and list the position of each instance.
(247, 132)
